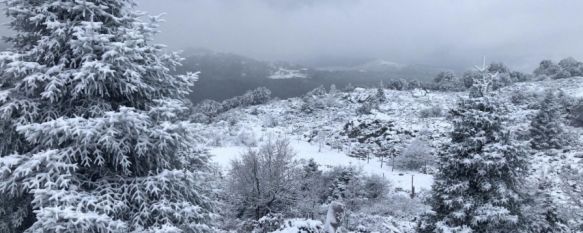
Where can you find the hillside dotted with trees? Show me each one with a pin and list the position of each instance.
(100, 134)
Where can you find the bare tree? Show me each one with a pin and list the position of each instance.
(262, 181)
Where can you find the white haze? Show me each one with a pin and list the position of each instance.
(445, 33)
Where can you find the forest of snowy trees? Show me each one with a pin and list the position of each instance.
(98, 135)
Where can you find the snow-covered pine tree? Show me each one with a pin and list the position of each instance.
(546, 129)
(540, 210)
(380, 95)
(333, 90)
(92, 138)
(476, 189)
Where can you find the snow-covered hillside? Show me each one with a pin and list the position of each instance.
(236, 130)
(321, 133)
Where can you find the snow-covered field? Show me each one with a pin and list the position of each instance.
(329, 157)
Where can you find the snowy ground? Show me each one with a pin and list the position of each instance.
(328, 157)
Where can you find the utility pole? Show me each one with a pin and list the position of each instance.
(412, 187)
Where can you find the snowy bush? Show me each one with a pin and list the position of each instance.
(568, 67)
(319, 91)
(416, 156)
(576, 114)
(270, 121)
(572, 67)
(348, 88)
(398, 85)
(531, 99)
(547, 68)
(447, 81)
(364, 223)
(365, 108)
(398, 205)
(212, 108)
(301, 226)
(263, 181)
(375, 187)
(247, 138)
(434, 111)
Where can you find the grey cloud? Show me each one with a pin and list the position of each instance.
(447, 33)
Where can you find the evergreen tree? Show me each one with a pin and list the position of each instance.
(540, 212)
(380, 95)
(310, 190)
(476, 189)
(92, 119)
(546, 128)
(338, 191)
(333, 90)
(349, 88)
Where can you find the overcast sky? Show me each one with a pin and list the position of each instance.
(445, 33)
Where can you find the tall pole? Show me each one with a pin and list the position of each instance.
(412, 187)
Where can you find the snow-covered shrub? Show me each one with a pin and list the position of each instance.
(518, 76)
(349, 88)
(380, 95)
(247, 138)
(312, 102)
(398, 85)
(540, 211)
(572, 67)
(365, 108)
(576, 114)
(212, 108)
(365, 223)
(571, 176)
(319, 91)
(568, 67)
(307, 106)
(416, 156)
(547, 68)
(361, 151)
(530, 99)
(447, 81)
(301, 226)
(267, 223)
(263, 181)
(398, 205)
(270, 121)
(433, 111)
(375, 187)
(310, 192)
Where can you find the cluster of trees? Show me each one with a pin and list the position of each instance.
(211, 108)
(566, 68)
(90, 121)
(271, 182)
(480, 183)
(448, 81)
